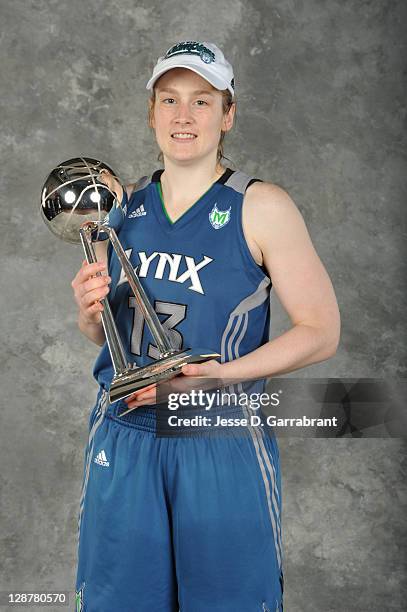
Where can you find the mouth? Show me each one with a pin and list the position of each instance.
(184, 136)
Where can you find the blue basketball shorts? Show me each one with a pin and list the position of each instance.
(183, 523)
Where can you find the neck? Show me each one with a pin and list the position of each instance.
(183, 185)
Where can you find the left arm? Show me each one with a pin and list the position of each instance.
(273, 224)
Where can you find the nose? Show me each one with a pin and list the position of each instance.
(183, 114)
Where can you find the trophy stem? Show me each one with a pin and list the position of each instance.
(163, 343)
(113, 339)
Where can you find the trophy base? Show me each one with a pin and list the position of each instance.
(126, 383)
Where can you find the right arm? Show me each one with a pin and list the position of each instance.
(88, 288)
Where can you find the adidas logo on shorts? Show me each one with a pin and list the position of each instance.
(139, 212)
(101, 459)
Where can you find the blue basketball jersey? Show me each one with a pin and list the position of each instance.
(198, 273)
(197, 507)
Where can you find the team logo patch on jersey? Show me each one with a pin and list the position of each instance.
(219, 218)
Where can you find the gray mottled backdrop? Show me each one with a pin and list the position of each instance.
(322, 106)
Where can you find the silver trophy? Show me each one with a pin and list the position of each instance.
(76, 206)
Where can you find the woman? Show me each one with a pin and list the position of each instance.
(193, 523)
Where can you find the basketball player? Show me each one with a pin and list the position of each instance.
(193, 523)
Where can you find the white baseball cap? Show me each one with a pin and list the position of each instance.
(204, 58)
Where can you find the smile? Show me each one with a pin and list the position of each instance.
(183, 136)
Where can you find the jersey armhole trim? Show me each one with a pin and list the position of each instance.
(261, 268)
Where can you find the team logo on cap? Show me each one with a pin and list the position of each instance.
(192, 48)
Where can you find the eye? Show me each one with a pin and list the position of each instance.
(201, 102)
(168, 100)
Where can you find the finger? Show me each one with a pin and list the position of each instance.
(138, 402)
(104, 175)
(91, 270)
(143, 389)
(152, 386)
(191, 369)
(134, 396)
(150, 395)
(96, 307)
(96, 282)
(142, 398)
(83, 285)
(89, 298)
(133, 404)
(140, 392)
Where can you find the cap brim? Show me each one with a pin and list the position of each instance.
(217, 83)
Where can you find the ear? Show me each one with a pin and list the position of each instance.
(228, 118)
(151, 121)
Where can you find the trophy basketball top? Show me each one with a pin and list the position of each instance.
(73, 194)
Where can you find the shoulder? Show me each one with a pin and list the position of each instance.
(268, 198)
(271, 220)
(269, 208)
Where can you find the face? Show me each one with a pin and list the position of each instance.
(188, 116)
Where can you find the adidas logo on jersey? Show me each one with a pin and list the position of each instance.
(101, 459)
(138, 212)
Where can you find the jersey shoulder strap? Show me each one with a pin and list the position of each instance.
(140, 184)
(239, 181)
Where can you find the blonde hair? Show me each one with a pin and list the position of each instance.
(227, 101)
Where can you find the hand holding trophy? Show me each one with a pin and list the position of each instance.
(112, 183)
(78, 200)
